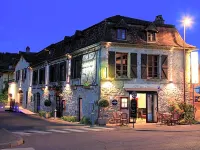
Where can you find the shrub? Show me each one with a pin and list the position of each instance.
(47, 103)
(85, 120)
(69, 118)
(103, 104)
(42, 113)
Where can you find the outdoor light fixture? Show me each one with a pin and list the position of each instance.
(187, 22)
(106, 72)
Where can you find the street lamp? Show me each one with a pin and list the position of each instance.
(187, 21)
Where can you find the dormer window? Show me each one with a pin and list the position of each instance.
(151, 37)
(121, 34)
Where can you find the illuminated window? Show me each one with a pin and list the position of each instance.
(124, 102)
(151, 36)
(121, 65)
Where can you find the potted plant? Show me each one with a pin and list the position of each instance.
(86, 85)
(47, 103)
(103, 103)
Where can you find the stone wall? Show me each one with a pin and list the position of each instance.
(114, 88)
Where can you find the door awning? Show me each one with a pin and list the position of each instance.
(141, 87)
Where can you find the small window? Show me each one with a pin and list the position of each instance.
(124, 102)
(121, 34)
(121, 65)
(153, 64)
(151, 36)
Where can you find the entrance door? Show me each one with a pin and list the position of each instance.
(38, 102)
(152, 107)
(59, 107)
(26, 98)
(80, 115)
(20, 99)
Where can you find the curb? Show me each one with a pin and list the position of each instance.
(11, 144)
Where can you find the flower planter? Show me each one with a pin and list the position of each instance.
(47, 115)
(87, 87)
(102, 121)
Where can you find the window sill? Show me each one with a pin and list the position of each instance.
(123, 79)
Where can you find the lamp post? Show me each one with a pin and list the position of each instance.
(186, 23)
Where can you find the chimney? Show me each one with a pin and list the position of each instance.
(27, 49)
(159, 20)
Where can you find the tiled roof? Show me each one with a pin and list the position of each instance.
(105, 31)
(7, 60)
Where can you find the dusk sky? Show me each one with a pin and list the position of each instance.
(39, 23)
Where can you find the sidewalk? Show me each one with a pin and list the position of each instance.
(8, 139)
(158, 127)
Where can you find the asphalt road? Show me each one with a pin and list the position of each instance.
(19, 121)
(123, 139)
(114, 140)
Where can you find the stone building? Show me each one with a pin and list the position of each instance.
(110, 60)
(120, 55)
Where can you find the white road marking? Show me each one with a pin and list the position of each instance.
(59, 131)
(104, 128)
(75, 130)
(90, 129)
(37, 131)
(22, 133)
(30, 148)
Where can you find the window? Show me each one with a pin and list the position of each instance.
(52, 73)
(124, 103)
(153, 65)
(24, 74)
(77, 69)
(63, 71)
(121, 34)
(42, 76)
(17, 75)
(151, 36)
(35, 77)
(121, 65)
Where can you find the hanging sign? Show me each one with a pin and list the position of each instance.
(114, 102)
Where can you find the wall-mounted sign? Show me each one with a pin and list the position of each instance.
(114, 102)
(89, 68)
(194, 67)
(134, 94)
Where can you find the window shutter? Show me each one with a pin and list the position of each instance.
(111, 64)
(64, 71)
(25, 70)
(79, 66)
(50, 74)
(72, 68)
(57, 72)
(143, 66)
(133, 72)
(164, 67)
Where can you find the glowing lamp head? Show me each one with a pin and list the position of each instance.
(187, 21)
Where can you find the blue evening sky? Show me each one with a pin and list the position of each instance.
(39, 23)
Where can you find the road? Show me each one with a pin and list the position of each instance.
(59, 137)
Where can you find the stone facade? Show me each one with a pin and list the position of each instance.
(115, 88)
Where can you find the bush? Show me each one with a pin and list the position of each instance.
(4, 98)
(42, 113)
(85, 120)
(69, 118)
(103, 103)
(47, 103)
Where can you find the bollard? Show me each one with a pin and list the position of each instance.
(55, 113)
(92, 119)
